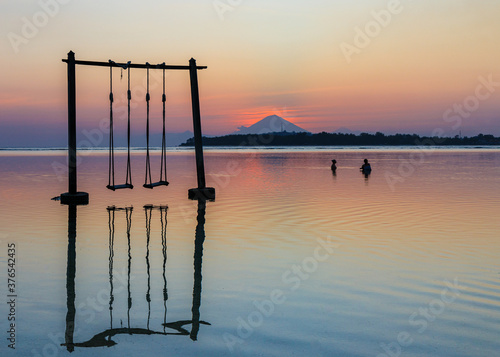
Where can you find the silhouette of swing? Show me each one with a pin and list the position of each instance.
(148, 183)
(163, 169)
(111, 164)
(75, 196)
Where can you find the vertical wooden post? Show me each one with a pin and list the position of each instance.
(72, 196)
(202, 191)
(72, 174)
(198, 145)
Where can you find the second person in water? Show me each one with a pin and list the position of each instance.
(334, 165)
(366, 167)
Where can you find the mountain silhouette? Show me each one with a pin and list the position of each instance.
(270, 124)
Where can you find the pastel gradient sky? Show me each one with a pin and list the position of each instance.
(263, 57)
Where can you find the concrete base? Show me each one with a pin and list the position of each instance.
(207, 193)
(79, 198)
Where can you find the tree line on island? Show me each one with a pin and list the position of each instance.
(339, 139)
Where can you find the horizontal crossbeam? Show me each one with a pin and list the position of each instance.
(133, 65)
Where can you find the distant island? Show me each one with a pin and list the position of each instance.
(338, 139)
(273, 130)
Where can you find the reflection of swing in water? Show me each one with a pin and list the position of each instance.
(104, 338)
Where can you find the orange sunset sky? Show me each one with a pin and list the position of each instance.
(390, 66)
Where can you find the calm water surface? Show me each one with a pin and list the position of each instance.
(290, 260)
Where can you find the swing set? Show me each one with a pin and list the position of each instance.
(75, 197)
(163, 169)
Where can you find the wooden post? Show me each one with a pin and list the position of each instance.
(72, 196)
(195, 102)
(202, 191)
(72, 177)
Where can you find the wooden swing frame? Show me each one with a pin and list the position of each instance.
(75, 197)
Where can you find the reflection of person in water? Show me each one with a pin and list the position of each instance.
(334, 165)
(366, 167)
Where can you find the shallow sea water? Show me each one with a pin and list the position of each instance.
(289, 260)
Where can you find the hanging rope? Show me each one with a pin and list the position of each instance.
(163, 166)
(148, 164)
(111, 163)
(128, 179)
(163, 169)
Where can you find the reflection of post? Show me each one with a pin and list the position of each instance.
(70, 278)
(198, 255)
(111, 224)
(148, 237)
(163, 217)
(128, 214)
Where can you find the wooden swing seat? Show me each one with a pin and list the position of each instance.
(155, 184)
(119, 187)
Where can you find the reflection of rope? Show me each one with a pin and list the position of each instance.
(111, 223)
(128, 212)
(148, 209)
